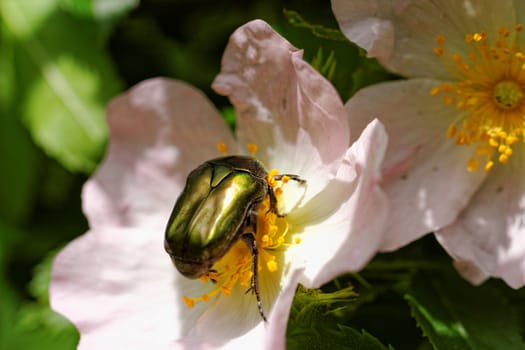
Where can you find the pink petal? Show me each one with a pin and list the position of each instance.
(488, 238)
(347, 220)
(401, 34)
(283, 104)
(236, 313)
(368, 24)
(116, 286)
(160, 130)
(424, 174)
(278, 321)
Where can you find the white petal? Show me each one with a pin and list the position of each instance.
(159, 131)
(293, 195)
(117, 288)
(419, 158)
(284, 105)
(345, 224)
(401, 34)
(278, 321)
(489, 236)
(368, 24)
(236, 313)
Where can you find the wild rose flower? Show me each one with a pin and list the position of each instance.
(117, 284)
(454, 163)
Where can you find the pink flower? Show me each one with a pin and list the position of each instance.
(454, 163)
(117, 284)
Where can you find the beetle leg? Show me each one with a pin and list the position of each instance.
(213, 275)
(279, 177)
(250, 241)
(273, 202)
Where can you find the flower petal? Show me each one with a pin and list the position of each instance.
(419, 157)
(282, 103)
(240, 322)
(489, 236)
(117, 288)
(401, 34)
(237, 312)
(278, 321)
(160, 130)
(346, 222)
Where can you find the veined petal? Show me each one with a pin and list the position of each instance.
(418, 159)
(159, 131)
(116, 286)
(282, 103)
(344, 225)
(401, 34)
(488, 239)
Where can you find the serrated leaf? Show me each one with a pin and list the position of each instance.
(342, 337)
(64, 80)
(311, 307)
(315, 321)
(456, 315)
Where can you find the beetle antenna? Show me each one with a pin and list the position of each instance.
(250, 241)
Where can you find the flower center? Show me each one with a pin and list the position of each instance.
(488, 93)
(272, 238)
(507, 95)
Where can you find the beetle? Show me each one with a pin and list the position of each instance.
(217, 207)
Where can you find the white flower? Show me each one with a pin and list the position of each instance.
(455, 160)
(117, 284)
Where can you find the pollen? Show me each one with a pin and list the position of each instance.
(222, 148)
(252, 149)
(488, 92)
(271, 265)
(188, 301)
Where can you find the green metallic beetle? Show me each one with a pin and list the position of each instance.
(217, 207)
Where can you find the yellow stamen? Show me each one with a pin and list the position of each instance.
(488, 92)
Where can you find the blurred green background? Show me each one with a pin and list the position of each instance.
(61, 61)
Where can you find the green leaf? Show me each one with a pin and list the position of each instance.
(18, 156)
(64, 79)
(315, 319)
(318, 30)
(99, 9)
(456, 315)
(340, 337)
